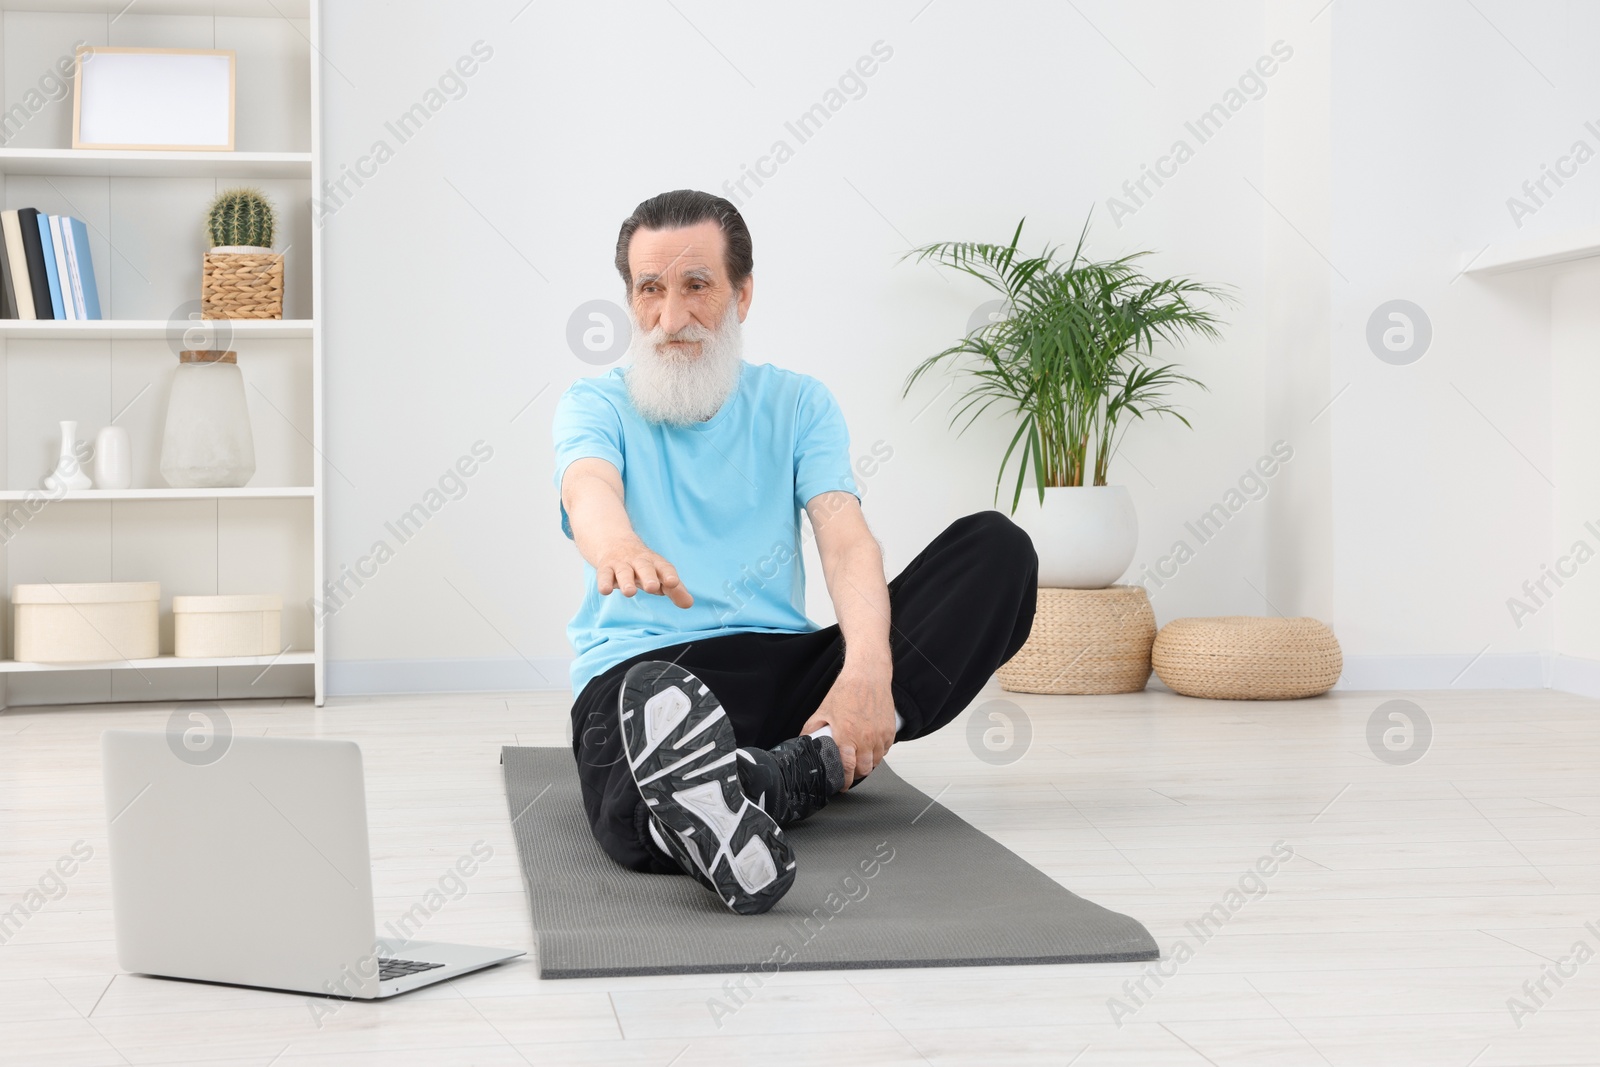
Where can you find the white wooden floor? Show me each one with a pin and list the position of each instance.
(1420, 900)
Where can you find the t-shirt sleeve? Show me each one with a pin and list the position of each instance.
(585, 426)
(822, 446)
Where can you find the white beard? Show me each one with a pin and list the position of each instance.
(677, 390)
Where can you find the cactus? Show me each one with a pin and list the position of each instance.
(241, 217)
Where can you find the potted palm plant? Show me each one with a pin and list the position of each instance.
(1071, 358)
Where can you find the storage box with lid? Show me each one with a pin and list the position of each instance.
(86, 622)
(238, 624)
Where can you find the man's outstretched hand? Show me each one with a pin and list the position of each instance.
(630, 566)
(860, 708)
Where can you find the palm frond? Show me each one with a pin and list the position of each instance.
(1071, 355)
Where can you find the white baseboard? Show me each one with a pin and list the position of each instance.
(1506, 670)
(369, 677)
(1574, 675)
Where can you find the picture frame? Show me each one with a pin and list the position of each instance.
(166, 99)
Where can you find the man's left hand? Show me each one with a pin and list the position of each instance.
(860, 708)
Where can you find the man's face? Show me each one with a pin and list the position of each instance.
(680, 280)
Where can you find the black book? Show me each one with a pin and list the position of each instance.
(8, 293)
(34, 248)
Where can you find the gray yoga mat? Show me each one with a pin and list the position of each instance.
(887, 878)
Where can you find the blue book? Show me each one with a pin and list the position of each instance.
(85, 267)
(57, 308)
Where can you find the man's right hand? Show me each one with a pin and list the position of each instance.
(592, 493)
(630, 566)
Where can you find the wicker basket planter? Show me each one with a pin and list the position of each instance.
(242, 285)
(1239, 657)
(1085, 641)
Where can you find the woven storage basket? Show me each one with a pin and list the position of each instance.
(242, 285)
(1085, 641)
(1240, 657)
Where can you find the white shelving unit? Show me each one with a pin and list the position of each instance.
(109, 163)
(270, 492)
(140, 329)
(144, 211)
(286, 659)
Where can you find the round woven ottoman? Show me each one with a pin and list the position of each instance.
(1241, 657)
(1085, 641)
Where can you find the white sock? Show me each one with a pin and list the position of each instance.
(827, 731)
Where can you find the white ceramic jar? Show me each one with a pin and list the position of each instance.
(207, 443)
(113, 458)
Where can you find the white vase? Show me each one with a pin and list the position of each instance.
(69, 467)
(1085, 536)
(207, 443)
(113, 458)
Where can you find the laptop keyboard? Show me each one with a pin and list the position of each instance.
(389, 970)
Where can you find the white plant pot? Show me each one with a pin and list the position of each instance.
(1085, 536)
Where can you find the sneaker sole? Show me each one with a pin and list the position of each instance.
(682, 752)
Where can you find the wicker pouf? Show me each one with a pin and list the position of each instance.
(1240, 657)
(1085, 641)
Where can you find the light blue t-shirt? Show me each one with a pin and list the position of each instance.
(720, 501)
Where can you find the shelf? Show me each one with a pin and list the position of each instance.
(269, 9)
(268, 492)
(284, 659)
(154, 329)
(144, 163)
(1537, 252)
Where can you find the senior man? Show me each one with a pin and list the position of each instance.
(710, 712)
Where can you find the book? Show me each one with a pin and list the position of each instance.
(68, 308)
(83, 268)
(72, 282)
(73, 277)
(8, 294)
(33, 255)
(47, 252)
(16, 258)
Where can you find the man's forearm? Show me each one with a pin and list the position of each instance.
(598, 517)
(861, 602)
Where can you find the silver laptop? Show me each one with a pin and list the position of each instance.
(250, 867)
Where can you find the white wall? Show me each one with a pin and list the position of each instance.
(1444, 484)
(1298, 384)
(1405, 518)
(1575, 601)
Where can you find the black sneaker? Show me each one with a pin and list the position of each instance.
(681, 750)
(794, 779)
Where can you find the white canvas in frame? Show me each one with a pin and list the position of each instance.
(153, 98)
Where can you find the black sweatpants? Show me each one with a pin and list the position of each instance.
(958, 611)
